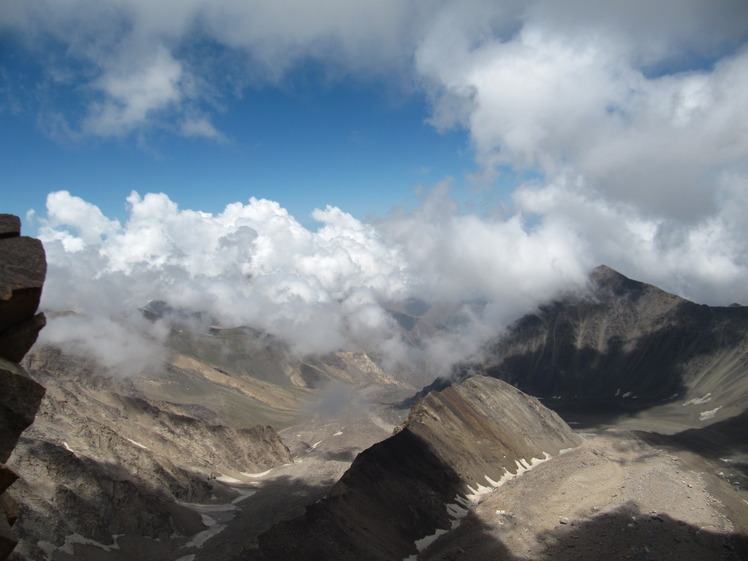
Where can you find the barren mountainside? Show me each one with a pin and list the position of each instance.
(624, 347)
(419, 482)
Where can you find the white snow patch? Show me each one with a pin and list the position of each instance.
(313, 446)
(190, 557)
(338, 433)
(208, 508)
(457, 512)
(228, 480)
(138, 444)
(426, 541)
(67, 447)
(69, 545)
(261, 474)
(243, 494)
(522, 467)
(704, 415)
(200, 538)
(628, 394)
(699, 401)
(618, 392)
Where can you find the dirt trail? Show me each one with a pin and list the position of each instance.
(614, 497)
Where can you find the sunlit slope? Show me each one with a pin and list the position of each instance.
(455, 445)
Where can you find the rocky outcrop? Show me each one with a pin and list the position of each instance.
(22, 270)
(103, 463)
(456, 444)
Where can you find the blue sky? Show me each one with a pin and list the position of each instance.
(472, 150)
(305, 145)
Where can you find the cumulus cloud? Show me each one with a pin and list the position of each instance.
(630, 116)
(321, 290)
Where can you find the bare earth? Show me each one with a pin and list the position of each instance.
(614, 497)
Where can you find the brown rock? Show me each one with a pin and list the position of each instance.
(10, 226)
(8, 508)
(19, 402)
(16, 341)
(22, 270)
(7, 477)
(8, 541)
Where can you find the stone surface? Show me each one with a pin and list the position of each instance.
(10, 226)
(16, 341)
(397, 491)
(19, 402)
(23, 268)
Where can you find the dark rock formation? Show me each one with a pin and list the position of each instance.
(22, 270)
(455, 443)
(626, 346)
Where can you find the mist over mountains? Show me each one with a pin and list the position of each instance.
(174, 457)
(337, 286)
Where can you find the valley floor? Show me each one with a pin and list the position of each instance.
(614, 497)
(621, 495)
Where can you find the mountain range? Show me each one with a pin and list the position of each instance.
(608, 423)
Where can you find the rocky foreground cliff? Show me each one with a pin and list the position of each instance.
(402, 493)
(23, 268)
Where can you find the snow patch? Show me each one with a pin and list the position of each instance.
(699, 401)
(704, 415)
(338, 433)
(228, 479)
(69, 545)
(313, 446)
(459, 510)
(67, 447)
(261, 474)
(138, 444)
(243, 494)
(522, 466)
(200, 538)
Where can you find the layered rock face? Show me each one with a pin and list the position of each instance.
(22, 270)
(456, 444)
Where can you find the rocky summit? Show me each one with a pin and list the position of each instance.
(22, 270)
(402, 493)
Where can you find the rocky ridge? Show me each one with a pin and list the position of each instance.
(23, 268)
(403, 492)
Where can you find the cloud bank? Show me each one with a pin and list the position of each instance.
(331, 288)
(630, 115)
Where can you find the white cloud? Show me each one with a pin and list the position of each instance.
(631, 115)
(134, 91)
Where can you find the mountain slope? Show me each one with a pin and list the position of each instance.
(625, 346)
(455, 444)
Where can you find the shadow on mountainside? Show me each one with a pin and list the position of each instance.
(630, 371)
(623, 534)
(277, 500)
(393, 494)
(724, 442)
